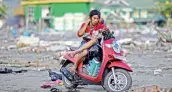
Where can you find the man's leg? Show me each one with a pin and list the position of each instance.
(79, 58)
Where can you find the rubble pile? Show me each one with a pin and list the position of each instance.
(57, 42)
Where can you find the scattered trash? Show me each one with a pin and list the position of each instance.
(145, 31)
(44, 43)
(145, 89)
(12, 47)
(47, 30)
(125, 41)
(38, 68)
(20, 71)
(54, 76)
(13, 31)
(52, 84)
(73, 90)
(137, 43)
(169, 56)
(153, 88)
(32, 41)
(27, 34)
(157, 72)
(56, 48)
(56, 80)
(5, 71)
(164, 36)
(167, 68)
(45, 86)
(20, 45)
(55, 90)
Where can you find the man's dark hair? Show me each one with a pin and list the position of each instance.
(94, 12)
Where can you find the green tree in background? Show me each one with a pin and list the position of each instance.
(3, 13)
(3, 9)
(166, 10)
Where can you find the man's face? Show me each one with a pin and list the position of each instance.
(95, 19)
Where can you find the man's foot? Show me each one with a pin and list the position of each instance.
(73, 69)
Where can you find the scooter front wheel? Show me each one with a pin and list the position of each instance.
(122, 81)
(66, 82)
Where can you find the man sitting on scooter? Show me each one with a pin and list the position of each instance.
(94, 23)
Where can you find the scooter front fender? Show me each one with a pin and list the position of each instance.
(120, 64)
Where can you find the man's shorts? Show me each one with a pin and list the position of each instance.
(84, 42)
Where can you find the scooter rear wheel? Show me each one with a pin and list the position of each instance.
(66, 82)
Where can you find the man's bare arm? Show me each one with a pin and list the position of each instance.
(82, 30)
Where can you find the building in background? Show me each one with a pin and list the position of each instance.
(131, 10)
(12, 19)
(58, 14)
(69, 14)
(19, 12)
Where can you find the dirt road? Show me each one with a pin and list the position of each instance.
(150, 68)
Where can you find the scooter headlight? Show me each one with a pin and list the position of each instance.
(120, 57)
(116, 47)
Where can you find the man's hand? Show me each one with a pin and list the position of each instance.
(87, 21)
(82, 30)
(73, 69)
